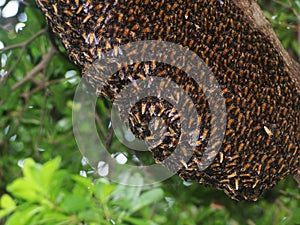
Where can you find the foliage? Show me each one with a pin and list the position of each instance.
(48, 195)
(284, 16)
(37, 84)
(51, 196)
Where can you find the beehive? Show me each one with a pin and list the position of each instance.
(261, 143)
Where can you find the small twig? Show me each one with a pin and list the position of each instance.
(290, 194)
(284, 25)
(3, 79)
(24, 3)
(36, 69)
(281, 206)
(297, 177)
(281, 3)
(20, 114)
(100, 124)
(111, 130)
(250, 222)
(42, 86)
(25, 43)
(5, 27)
(42, 114)
(22, 45)
(298, 26)
(109, 138)
(294, 11)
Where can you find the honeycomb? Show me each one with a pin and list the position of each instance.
(261, 142)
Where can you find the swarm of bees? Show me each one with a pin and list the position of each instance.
(261, 143)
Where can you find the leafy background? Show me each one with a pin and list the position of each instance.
(45, 180)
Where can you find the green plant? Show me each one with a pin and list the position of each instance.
(284, 16)
(48, 195)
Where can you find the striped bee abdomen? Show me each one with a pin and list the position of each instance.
(261, 141)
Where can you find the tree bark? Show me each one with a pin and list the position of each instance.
(256, 18)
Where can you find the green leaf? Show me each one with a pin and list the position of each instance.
(296, 47)
(64, 124)
(147, 198)
(3, 213)
(13, 100)
(30, 121)
(32, 173)
(91, 216)
(24, 189)
(73, 203)
(60, 183)
(128, 192)
(33, 22)
(54, 217)
(103, 190)
(296, 5)
(137, 221)
(83, 181)
(48, 171)
(23, 216)
(6, 202)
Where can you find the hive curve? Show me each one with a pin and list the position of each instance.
(261, 143)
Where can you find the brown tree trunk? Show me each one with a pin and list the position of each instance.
(257, 19)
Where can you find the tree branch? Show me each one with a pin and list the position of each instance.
(43, 64)
(257, 19)
(255, 16)
(25, 43)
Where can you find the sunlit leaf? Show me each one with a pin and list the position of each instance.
(147, 198)
(6, 202)
(48, 171)
(24, 189)
(23, 217)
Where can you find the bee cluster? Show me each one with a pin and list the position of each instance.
(261, 143)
